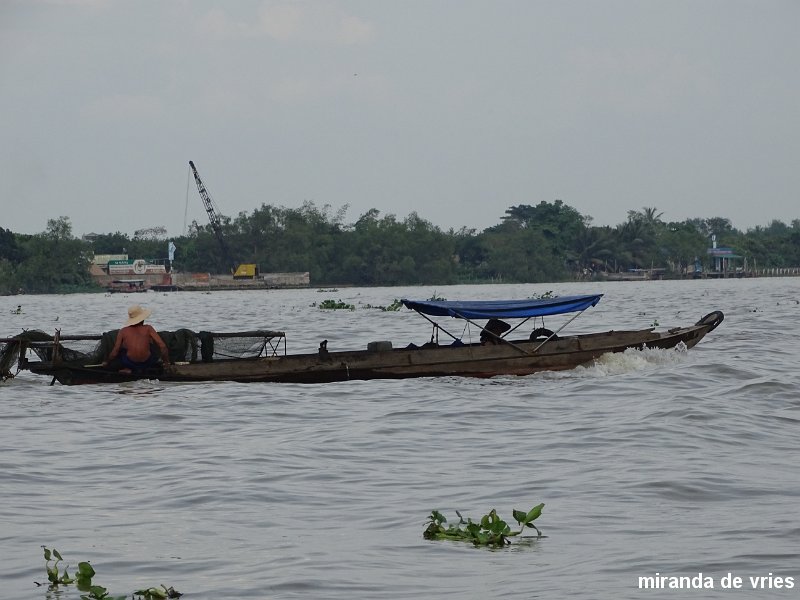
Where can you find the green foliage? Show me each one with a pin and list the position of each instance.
(543, 296)
(83, 581)
(9, 248)
(52, 261)
(83, 578)
(393, 307)
(138, 247)
(8, 283)
(98, 592)
(490, 530)
(330, 304)
(375, 250)
(157, 593)
(548, 241)
(54, 576)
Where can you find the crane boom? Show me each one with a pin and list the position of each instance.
(216, 224)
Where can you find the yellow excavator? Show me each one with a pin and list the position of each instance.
(240, 271)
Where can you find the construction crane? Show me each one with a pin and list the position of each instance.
(242, 271)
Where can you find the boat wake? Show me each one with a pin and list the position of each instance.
(636, 359)
(631, 360)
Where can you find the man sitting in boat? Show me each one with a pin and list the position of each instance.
(493, 330)
(133, 343)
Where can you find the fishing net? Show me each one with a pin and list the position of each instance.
(42, 345)
(184, 345)
(10, 349)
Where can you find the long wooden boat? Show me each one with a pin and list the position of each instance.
(202, 357)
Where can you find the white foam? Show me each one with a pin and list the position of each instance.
(629, 361)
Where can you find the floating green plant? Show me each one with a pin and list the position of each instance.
(83, 581)
(543, 296)
(54, 574)
(98, 592)
(335, 305)
(157, 593)
(394, 306)
(491, 530)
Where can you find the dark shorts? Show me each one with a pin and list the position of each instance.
(133, 365)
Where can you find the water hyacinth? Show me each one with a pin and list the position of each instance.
(490, 530)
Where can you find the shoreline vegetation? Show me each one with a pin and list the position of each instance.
(544, 243)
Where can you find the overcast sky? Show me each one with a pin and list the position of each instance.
(454, 109)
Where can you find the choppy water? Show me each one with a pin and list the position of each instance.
(665, 461)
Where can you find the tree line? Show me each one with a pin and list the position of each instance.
(546, 242)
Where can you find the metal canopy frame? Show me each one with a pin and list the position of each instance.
(437, 327)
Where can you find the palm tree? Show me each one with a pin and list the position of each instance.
(591, 247)
(651, 216)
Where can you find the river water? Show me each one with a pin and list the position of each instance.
(668, 462)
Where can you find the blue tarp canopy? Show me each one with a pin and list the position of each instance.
(503, 309)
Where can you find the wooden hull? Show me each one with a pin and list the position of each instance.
(515, 358)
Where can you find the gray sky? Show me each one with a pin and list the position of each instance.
(455, 109)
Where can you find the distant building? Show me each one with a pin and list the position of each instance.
(725, 261)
